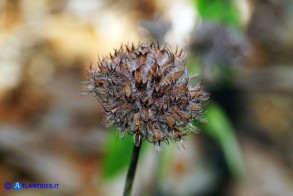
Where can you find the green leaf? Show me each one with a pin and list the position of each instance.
(220, 128)
(117, 154)
(218, 10)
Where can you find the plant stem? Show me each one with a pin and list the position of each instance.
(131, 170)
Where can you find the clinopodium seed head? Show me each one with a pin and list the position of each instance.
(144, 91)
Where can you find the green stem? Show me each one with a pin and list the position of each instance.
(131, 170)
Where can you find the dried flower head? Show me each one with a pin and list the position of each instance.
(144, 91)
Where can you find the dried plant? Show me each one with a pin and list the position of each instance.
(144, 91)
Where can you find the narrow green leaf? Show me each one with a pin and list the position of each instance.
(220, 128)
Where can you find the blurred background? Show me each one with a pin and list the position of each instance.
(50, 133)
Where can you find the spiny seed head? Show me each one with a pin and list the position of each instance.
(144, 91)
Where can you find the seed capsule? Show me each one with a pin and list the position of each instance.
(144, 91)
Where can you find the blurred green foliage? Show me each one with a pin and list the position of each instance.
(117, 154)
(193, 65)
(222, 11)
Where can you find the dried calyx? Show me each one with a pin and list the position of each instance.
(144, 91)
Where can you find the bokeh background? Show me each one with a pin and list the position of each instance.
(50, 133)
